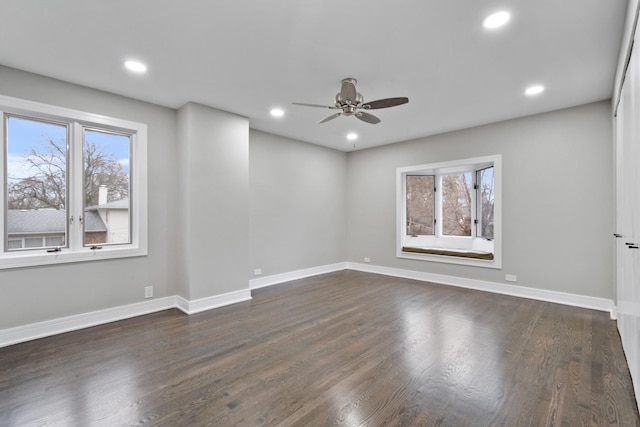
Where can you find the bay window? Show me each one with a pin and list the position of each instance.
(450, 212)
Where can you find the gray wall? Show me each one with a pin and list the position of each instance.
(557, 199)
(29, 295)
(298, 204)
(311, 206)
(293, 184)
(214, 201)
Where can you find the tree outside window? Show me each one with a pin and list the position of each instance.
(456, 204)
(37, 184)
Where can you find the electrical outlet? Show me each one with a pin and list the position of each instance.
(257, 272)
(510, 277)
(367, 259)
(148, 291)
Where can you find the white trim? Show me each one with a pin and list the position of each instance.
(182, 304)
(295, 275)
(61, 325)
(33, 258)
(448, 259)
(80, 321)
(203, 304)
(54, 112)
(583, 301)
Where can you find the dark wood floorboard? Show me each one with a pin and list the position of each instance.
(341, 349)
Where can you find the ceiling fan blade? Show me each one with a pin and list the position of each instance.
(331, 117)
(366, 117)
(384, 103)
(348, 91)
(315, 105)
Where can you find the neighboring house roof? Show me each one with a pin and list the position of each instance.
(116, 204)
(93, 222)
(39, 221)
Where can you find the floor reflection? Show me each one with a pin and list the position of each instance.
(452, 349)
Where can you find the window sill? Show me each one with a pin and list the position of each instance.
(33, 258)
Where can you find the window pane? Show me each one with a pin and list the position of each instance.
(54, 241)
(15, 244)
(106, 188)
(420, 204)
(33, 242)
(36, 179)
(456, 204)
(485, 203)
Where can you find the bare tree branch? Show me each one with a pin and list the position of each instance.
(47, 185)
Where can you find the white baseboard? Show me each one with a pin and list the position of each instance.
(600, 304)
(85, 320)
(80, 321)
(71, 323)
(295, 275)
(203, 304)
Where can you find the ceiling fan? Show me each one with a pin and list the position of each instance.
(350, 103)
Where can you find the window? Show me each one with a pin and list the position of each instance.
(74, 185)
(106, 187)
(420, 205)
(485, 206)
(456, 204)
(450, 212)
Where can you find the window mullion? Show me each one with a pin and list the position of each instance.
(478, 204)
(474, 203)
(438, 203)
(75, 186)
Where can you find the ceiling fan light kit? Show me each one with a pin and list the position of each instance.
(351, 103)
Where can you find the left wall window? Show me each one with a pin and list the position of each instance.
(35, 183)
(74, 185)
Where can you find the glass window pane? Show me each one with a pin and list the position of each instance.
(36, 178)
(15, 244)
(485, 203)
(106, 188)
(420, 205)
(456, 204)
(33, 242)
(54, 241)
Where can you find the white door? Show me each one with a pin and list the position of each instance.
(627, 125)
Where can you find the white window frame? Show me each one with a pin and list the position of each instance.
(76, 250)
(451, 242)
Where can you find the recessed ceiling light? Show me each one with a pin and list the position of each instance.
(277, 112)
(135, 66)
(496, 20)
(352, 136)
(534, 90)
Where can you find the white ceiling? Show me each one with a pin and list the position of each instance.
(247, 56)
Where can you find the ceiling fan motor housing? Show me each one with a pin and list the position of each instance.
(348, 110)
(340, 100)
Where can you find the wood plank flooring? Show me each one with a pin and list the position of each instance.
(345, 349)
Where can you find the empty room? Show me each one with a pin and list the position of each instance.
(296, 213)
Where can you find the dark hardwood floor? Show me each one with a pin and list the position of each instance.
(347, 348)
